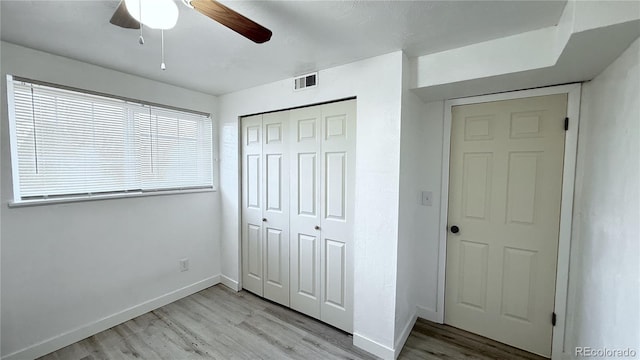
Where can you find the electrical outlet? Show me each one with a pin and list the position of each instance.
(427, 198)
(184, 264)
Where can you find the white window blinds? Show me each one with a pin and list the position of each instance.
(72, 144)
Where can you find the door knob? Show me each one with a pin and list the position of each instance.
(264, 219)
(455, 229)
(317, 227)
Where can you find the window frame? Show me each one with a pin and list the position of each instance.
(131, 105)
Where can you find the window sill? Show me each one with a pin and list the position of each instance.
(38, 202)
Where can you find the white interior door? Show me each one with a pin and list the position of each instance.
(304, 145)
(252, 189)
(505, 190)
(276, 206)
(338, 131)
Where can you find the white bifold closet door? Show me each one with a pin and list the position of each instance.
(322, 149)
(305, 221)
(298, 187)
(276, 207)
(252, 187)
(265, 237)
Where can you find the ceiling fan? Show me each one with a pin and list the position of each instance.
(210, 8)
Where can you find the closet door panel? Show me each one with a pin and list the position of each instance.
(252, 203)
(337, 194)
(304, 150)
(276, 206)
(307, 283)
(298, 193)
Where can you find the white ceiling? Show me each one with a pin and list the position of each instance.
(307, 35)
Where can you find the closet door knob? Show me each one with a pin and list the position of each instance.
(264, 219)
(317, 227)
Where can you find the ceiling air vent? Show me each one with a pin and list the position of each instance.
(305, 81)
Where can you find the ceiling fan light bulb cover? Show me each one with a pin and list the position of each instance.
(156, 14)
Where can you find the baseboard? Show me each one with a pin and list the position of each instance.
(59, 341)
(230, 283)
(429, 314)
(373, 347)
(404, 335)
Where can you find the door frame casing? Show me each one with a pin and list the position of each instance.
(573, 92)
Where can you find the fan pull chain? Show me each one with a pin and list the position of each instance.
(140, 39)
(162, 65)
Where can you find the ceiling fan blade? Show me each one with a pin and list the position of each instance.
(234, 21)
(122, 18)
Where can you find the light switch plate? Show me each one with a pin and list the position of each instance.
(184, 264)
(427, 198)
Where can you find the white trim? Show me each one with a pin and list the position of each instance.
(13, 140)
(230, 283)
(59, 341)
(566, 220)
(372, 347)
(428, 314)
(119, 195)
(239, 202)
(566, 211)
(444, 210)
(404, 335)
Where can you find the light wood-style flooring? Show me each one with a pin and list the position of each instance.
(435, 341)
(218, 323)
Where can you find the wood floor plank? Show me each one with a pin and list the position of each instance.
(437, 341)
(218, 323)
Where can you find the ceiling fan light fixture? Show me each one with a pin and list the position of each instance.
(156, 14)
(187, 3)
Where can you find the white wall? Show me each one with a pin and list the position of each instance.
(427, 247)
(68, 266)
(420, 170)
(377, 83)
(595, 14)
(409, 210)
(604, 285)
(418, 236)
(535, 49)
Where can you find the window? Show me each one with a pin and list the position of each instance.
(72, 144)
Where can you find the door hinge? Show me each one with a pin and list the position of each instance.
(553, 318)
(566, 123)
